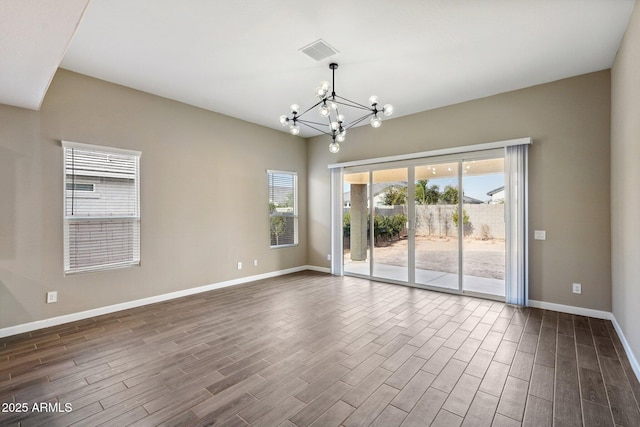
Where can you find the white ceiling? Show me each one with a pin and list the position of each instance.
(241, 58)
(34, 35)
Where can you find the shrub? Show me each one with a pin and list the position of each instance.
(346, 225)
(277, 229)
(465, 217)
(385, 227)
(485, 232)
(467, 227)
(398, 222)
(388, 226)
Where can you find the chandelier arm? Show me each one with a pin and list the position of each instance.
(313, 127)
(361, 119)
(354, 104)
(312, 107)
(329, 120)
(357, 106)
(309, 121)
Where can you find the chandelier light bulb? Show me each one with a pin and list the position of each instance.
(340, 118)
(334, 147)
(295, 108)
(376, 122)
(283, 120)
(325, 85)
(341, 136)
(324, 110)
(320, 92)
(294, 129)
(333, 105)
(373, 100)
(335, 125)
(387, 109)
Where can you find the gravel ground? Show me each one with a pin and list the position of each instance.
(482, 258)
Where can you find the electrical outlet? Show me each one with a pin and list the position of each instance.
(328, 257)
(239, 265)
(52, 297)
(577, 288)
(540, 235)
(255, 262)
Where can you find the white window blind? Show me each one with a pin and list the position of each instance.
(101, 231)
(283, 208)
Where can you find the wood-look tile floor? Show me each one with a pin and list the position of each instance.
(312, 349)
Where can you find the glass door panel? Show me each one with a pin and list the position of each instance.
(407, 223)
(436, 234)
(389, 227)
(483, 260)
(355, 221)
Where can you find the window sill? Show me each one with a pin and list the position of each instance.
(101, 268)
(283, 246)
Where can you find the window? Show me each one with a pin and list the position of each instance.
(101, 208)
(283, 208)
(79, 186)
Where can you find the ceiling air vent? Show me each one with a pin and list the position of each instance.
(318, 50)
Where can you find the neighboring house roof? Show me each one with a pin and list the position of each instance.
(497, 190)
(472, 200)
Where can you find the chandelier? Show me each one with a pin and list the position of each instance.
(329, 107)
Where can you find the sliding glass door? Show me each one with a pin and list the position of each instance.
(375, 224)
(436, 235)
(389, 227)
(483, 227)
(435, 223)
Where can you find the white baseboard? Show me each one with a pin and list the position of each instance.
(54, 321)
(318, 269)
(627, 348)
(570, 309)
(599, 315)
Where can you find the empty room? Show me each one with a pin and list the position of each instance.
(412, 213)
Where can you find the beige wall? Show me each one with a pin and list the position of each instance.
(203, 180)
(203, 197)
(568, 180)
(625, 183)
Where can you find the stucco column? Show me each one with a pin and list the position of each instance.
(358, 222)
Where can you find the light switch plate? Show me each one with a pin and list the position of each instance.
(540, 235)
(52, 297)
